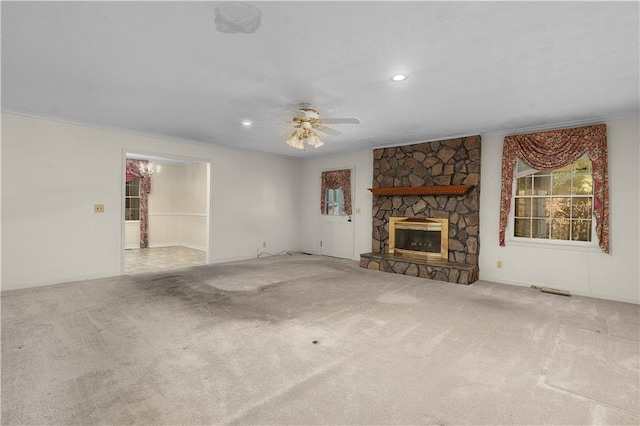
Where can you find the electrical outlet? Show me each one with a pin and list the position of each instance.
(264, 244)
(98, 208)
(499, 264)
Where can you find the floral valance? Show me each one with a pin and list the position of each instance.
(555, 149)
(333, 180)
(132, 173)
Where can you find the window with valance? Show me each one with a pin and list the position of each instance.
(337, 184)
(553, 150)
(133, 173)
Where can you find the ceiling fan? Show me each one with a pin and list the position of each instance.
(307, 121)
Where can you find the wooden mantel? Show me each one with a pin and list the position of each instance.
(423, 190)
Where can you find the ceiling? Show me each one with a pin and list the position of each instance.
(193, 71)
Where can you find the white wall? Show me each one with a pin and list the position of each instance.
(614, 276)
(178, 206)
(51, 235)
(193, 222)
(310, 200)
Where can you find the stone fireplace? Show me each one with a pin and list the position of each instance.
(417, 188)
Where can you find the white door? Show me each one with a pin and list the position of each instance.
(337, 236)
(336, 226)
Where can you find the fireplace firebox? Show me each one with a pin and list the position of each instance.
(421, 238)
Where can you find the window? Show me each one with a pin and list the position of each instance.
(334, 202)
(554, 205)
(565, 220)
(132, 200)
(335, 192)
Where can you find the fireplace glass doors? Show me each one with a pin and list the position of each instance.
(419, 238)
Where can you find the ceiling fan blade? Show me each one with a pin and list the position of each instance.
(329, 131)
(343, 120)
(266, 121)
(285, 133)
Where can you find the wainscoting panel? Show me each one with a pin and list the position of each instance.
(195, 179)
(132, 234)
(178, 205)
(164, 230)
(194, 231)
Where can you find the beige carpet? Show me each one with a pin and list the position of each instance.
(313, 340)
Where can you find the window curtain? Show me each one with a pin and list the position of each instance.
(334, 180)
(555, 149)
(133, 172)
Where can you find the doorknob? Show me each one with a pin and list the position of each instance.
(349, 220)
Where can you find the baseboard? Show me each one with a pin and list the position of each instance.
(573, 291)
(63, 281)
(193, 246)
(187, 245)
(158, 245)
(232, 259)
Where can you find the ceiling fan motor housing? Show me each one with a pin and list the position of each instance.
(310, 113)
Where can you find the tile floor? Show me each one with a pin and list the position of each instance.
(157, 258)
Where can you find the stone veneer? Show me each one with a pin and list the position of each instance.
(446, 162)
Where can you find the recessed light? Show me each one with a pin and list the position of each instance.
(399, 77)
(246, 123)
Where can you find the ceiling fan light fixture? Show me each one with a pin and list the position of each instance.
(295, 142)
(399, 77)
(312, 139)
(307, 121)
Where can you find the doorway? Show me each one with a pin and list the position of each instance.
(165, 213)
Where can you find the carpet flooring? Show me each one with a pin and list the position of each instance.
(299, 339)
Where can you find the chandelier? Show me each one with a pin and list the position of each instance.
(147, 169)
(304, 136)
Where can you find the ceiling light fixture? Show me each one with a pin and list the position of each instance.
(147, 169)
(247, 123)
(399, 77)
(303, 137)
